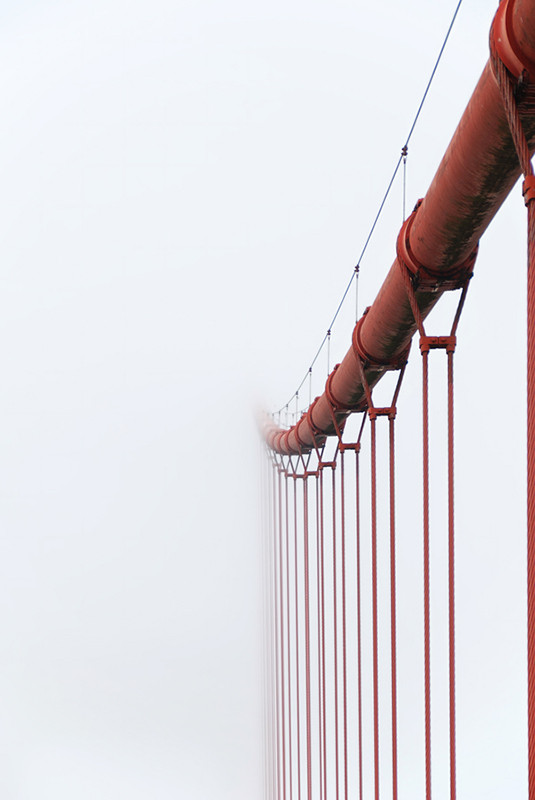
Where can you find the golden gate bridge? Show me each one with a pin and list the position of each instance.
(331, 726)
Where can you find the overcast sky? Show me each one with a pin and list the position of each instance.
(185, 187)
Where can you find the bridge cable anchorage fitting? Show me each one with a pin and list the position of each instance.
(505, 46)
(446, 343)
(425, 278)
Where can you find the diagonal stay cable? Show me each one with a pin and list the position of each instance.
(379, 212)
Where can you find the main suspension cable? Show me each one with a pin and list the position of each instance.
(356, 269)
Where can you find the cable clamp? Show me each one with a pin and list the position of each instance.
(503, 42)
(427, 278)
(343, 446)
(336, 404)
(323, 464)
(528, 189)
(375, 411)
(304, 447)
(394, 363)
(446, 343)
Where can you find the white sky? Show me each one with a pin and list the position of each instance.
(184, 189)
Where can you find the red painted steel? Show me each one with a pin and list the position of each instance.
(438, 241)
(508, 56)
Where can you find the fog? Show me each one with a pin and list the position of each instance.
(184, 190)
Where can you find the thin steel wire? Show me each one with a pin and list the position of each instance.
(385, 197)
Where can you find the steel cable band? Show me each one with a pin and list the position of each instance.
(360, 352)
(300, 442)
(426, 278)
(338, 405)
(316, 433)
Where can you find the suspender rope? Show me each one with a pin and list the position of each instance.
(323, 669)
(427, 614)
(270, 711)
(319, 523)
(447, 343)
(344, 635)
(335, 619)
(296, 580)
(391, 424)
(288, 646)
(307, 637)
(359, 621)
(451, 577)
(281, 633)
(275, 625)
(373, 413)
(528, 190)
(374, 607)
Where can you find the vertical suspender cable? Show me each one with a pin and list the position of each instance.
(344, 635)
(288, 634)
(275, 640)
(374, 608)
(359, 623)
(296, 581)
(268, 637)
(531, 495)
(528, 190)
(427, 621)
(307, 638)
(393, 610)
(318, 610)
(323, 665)
(281, 635)
(335, 643)
(451, 577)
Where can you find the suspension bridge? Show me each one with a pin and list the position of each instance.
(331, 539)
